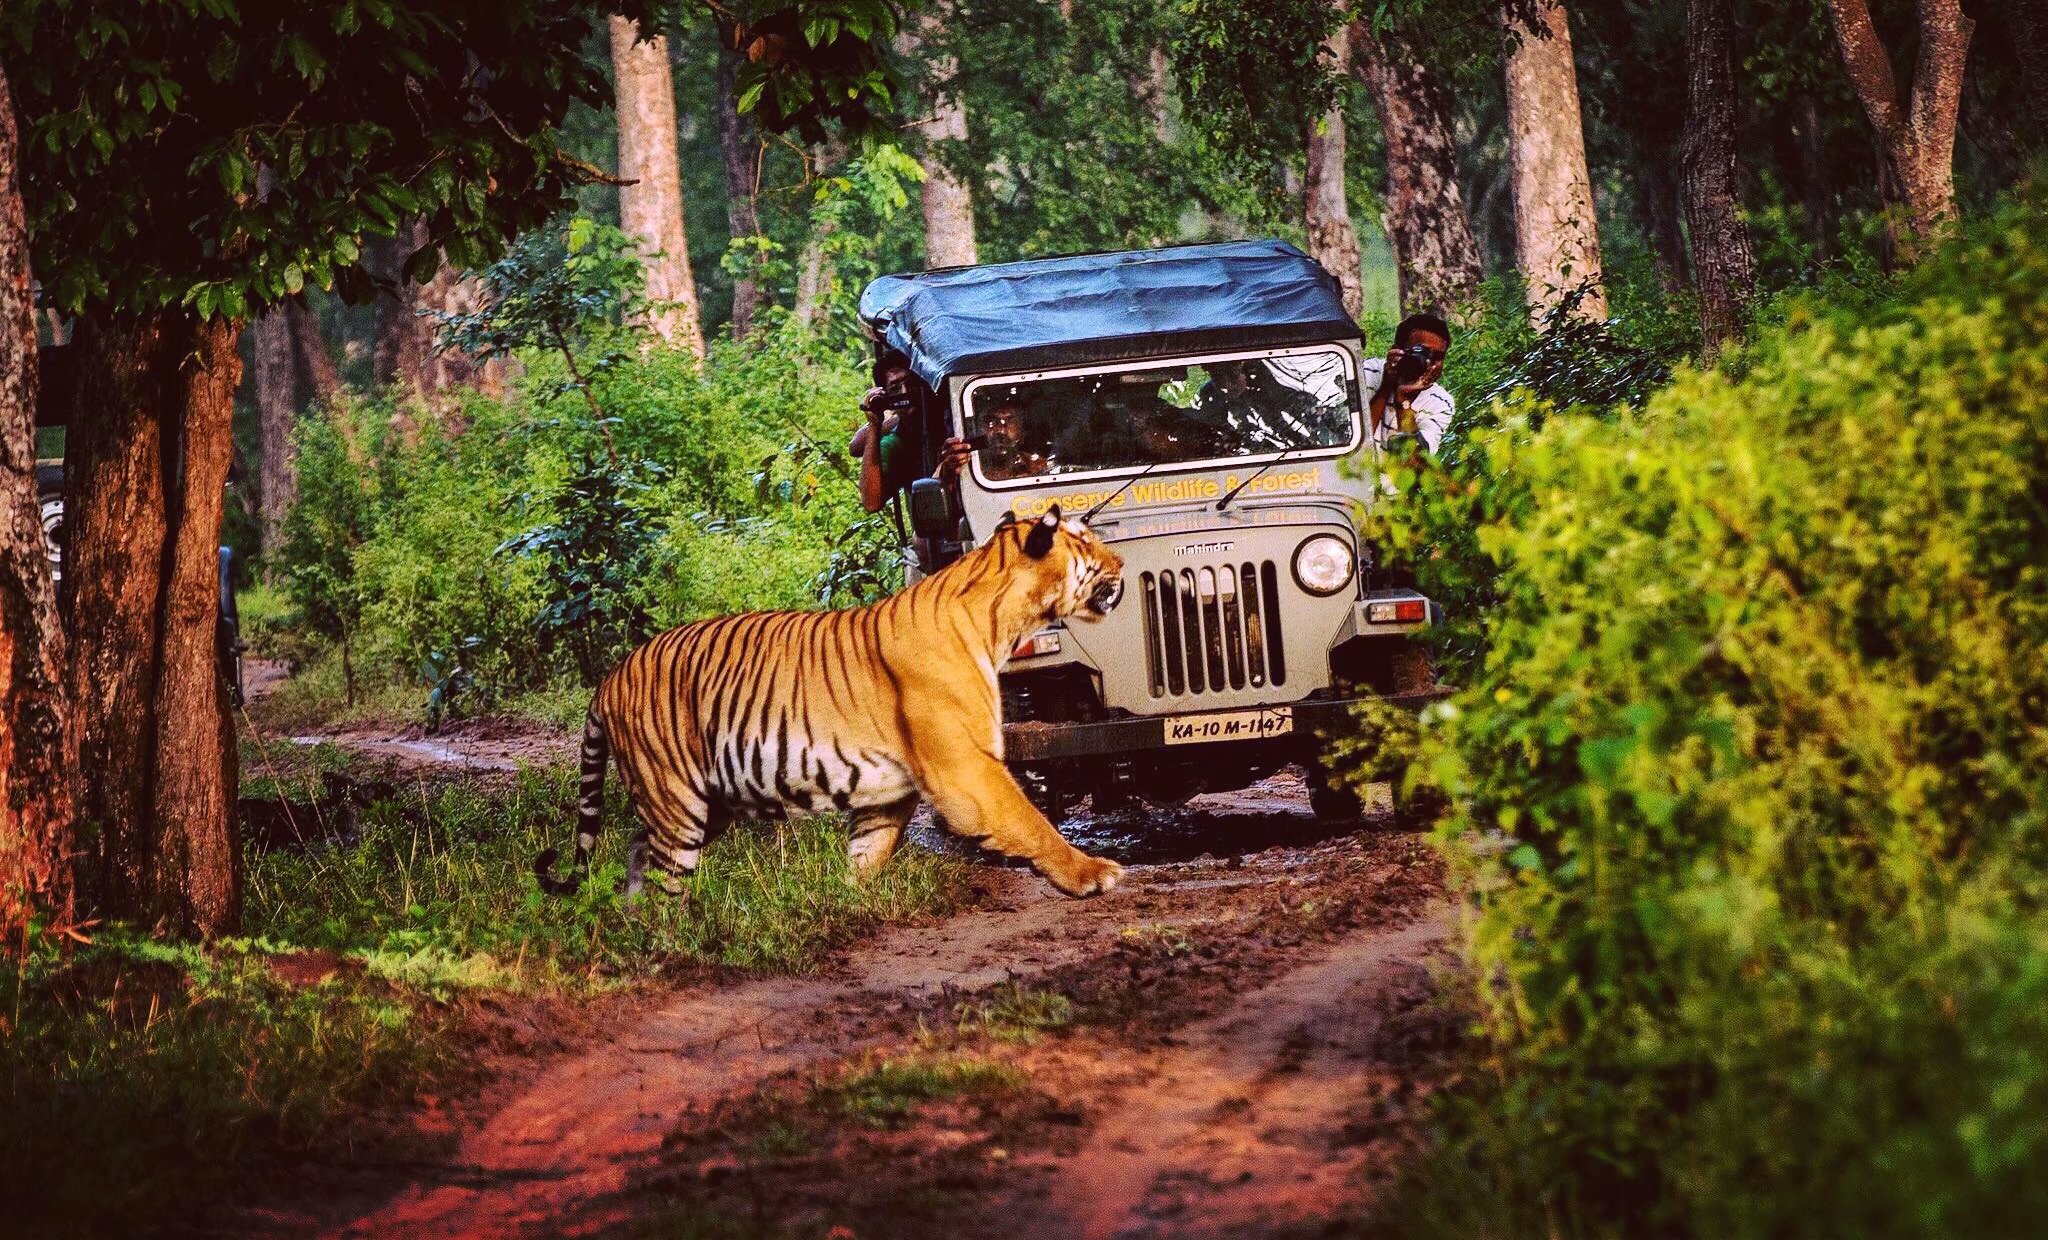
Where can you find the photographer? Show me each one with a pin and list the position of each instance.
(1404, 396)
(888, 456)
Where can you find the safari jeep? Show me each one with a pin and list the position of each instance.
(1197, 405)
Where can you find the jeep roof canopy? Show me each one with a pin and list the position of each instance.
(1050, 312)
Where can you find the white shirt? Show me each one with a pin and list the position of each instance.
(1433, 407)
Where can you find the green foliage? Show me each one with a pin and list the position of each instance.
(814, 61)
(145, 131)
(1012, 1012)
(1253, 72)
(1074, 141)
(439, 893)
(598, 548)
(565, 289)
(1503, 367)
(884, 1092)
(498, 538)
(143, 1081)
(1750, 783)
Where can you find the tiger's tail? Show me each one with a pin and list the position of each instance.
(589, 812)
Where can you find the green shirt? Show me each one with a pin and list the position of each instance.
(898, 461)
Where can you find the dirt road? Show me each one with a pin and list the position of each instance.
(1223, 1046)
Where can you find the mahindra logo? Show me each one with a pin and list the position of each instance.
(1203, 548)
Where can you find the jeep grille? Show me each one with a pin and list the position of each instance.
(1212, 628)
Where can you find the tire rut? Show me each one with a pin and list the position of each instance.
(1237, 1129)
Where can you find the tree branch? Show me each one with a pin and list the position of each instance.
(1869, 66)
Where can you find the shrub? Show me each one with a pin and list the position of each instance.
(493, 548)
(1758, 759)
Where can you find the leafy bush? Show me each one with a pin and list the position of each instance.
(1753, 779)
(493, 547)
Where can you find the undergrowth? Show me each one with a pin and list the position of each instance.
(141, 1080)
(446, 875)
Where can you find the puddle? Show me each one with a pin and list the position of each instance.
(1273, 813)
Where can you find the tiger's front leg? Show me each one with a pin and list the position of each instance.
(976, 797)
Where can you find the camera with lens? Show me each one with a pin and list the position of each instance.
(896, 398)
(1411, 362)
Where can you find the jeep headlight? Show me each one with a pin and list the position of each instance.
(1323, 564)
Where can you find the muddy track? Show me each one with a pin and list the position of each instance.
(1238, 1127)
(1224, 1061)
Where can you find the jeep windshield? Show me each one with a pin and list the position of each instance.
(1216, 410)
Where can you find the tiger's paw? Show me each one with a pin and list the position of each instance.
(1082, 875)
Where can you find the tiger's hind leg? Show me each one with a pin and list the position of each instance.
(876, 833)
(677, 823)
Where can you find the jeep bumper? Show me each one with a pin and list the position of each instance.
(1040, 742)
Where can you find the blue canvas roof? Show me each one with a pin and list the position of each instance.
(1049, 312)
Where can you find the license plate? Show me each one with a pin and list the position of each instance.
(1229, 725)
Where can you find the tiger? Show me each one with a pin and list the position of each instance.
(864, 710)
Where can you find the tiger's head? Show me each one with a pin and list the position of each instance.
(1081, 577)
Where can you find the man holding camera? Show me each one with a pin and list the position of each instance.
(888, 458)
(1404, 397)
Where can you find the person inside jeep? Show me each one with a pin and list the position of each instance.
(1005, 454)
(1413, 402)
(885, 441)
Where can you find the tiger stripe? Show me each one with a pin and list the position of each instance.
(865, 711)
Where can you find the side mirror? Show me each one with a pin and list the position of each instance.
(931, 509)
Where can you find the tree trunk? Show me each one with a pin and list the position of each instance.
(1820, 221)
(143, 481)
(1658, 188)
(1918, 141)
(814, 276)
(1326, 209)
(1557, 236)
(2029, 22)
(403, 340)
(270, 339)
(196, 878)
(948, 207)
(309, 344)
(1721, 258)
(38, 749)
(113, 561)
(407, 335)
(742, 216)
(1434, 249)
(651, 208)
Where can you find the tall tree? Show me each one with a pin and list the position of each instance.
(1919, 139)
(38, 750)
(309, 345)
(160, 116)
(1557, 235)
(1434, 249)
(1721, 257)
(276, 390)
(651, 200)
(948, 206)
(740, 152)
(1326, 209)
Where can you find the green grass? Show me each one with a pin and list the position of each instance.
(1012, 1012)
(448, 877)
(140, 1081)
(883, 1092)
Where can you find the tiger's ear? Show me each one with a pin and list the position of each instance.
(1039, 540)
(1008, 518)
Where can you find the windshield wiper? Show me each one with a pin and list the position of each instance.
(1223, 503)
(1120, 490)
